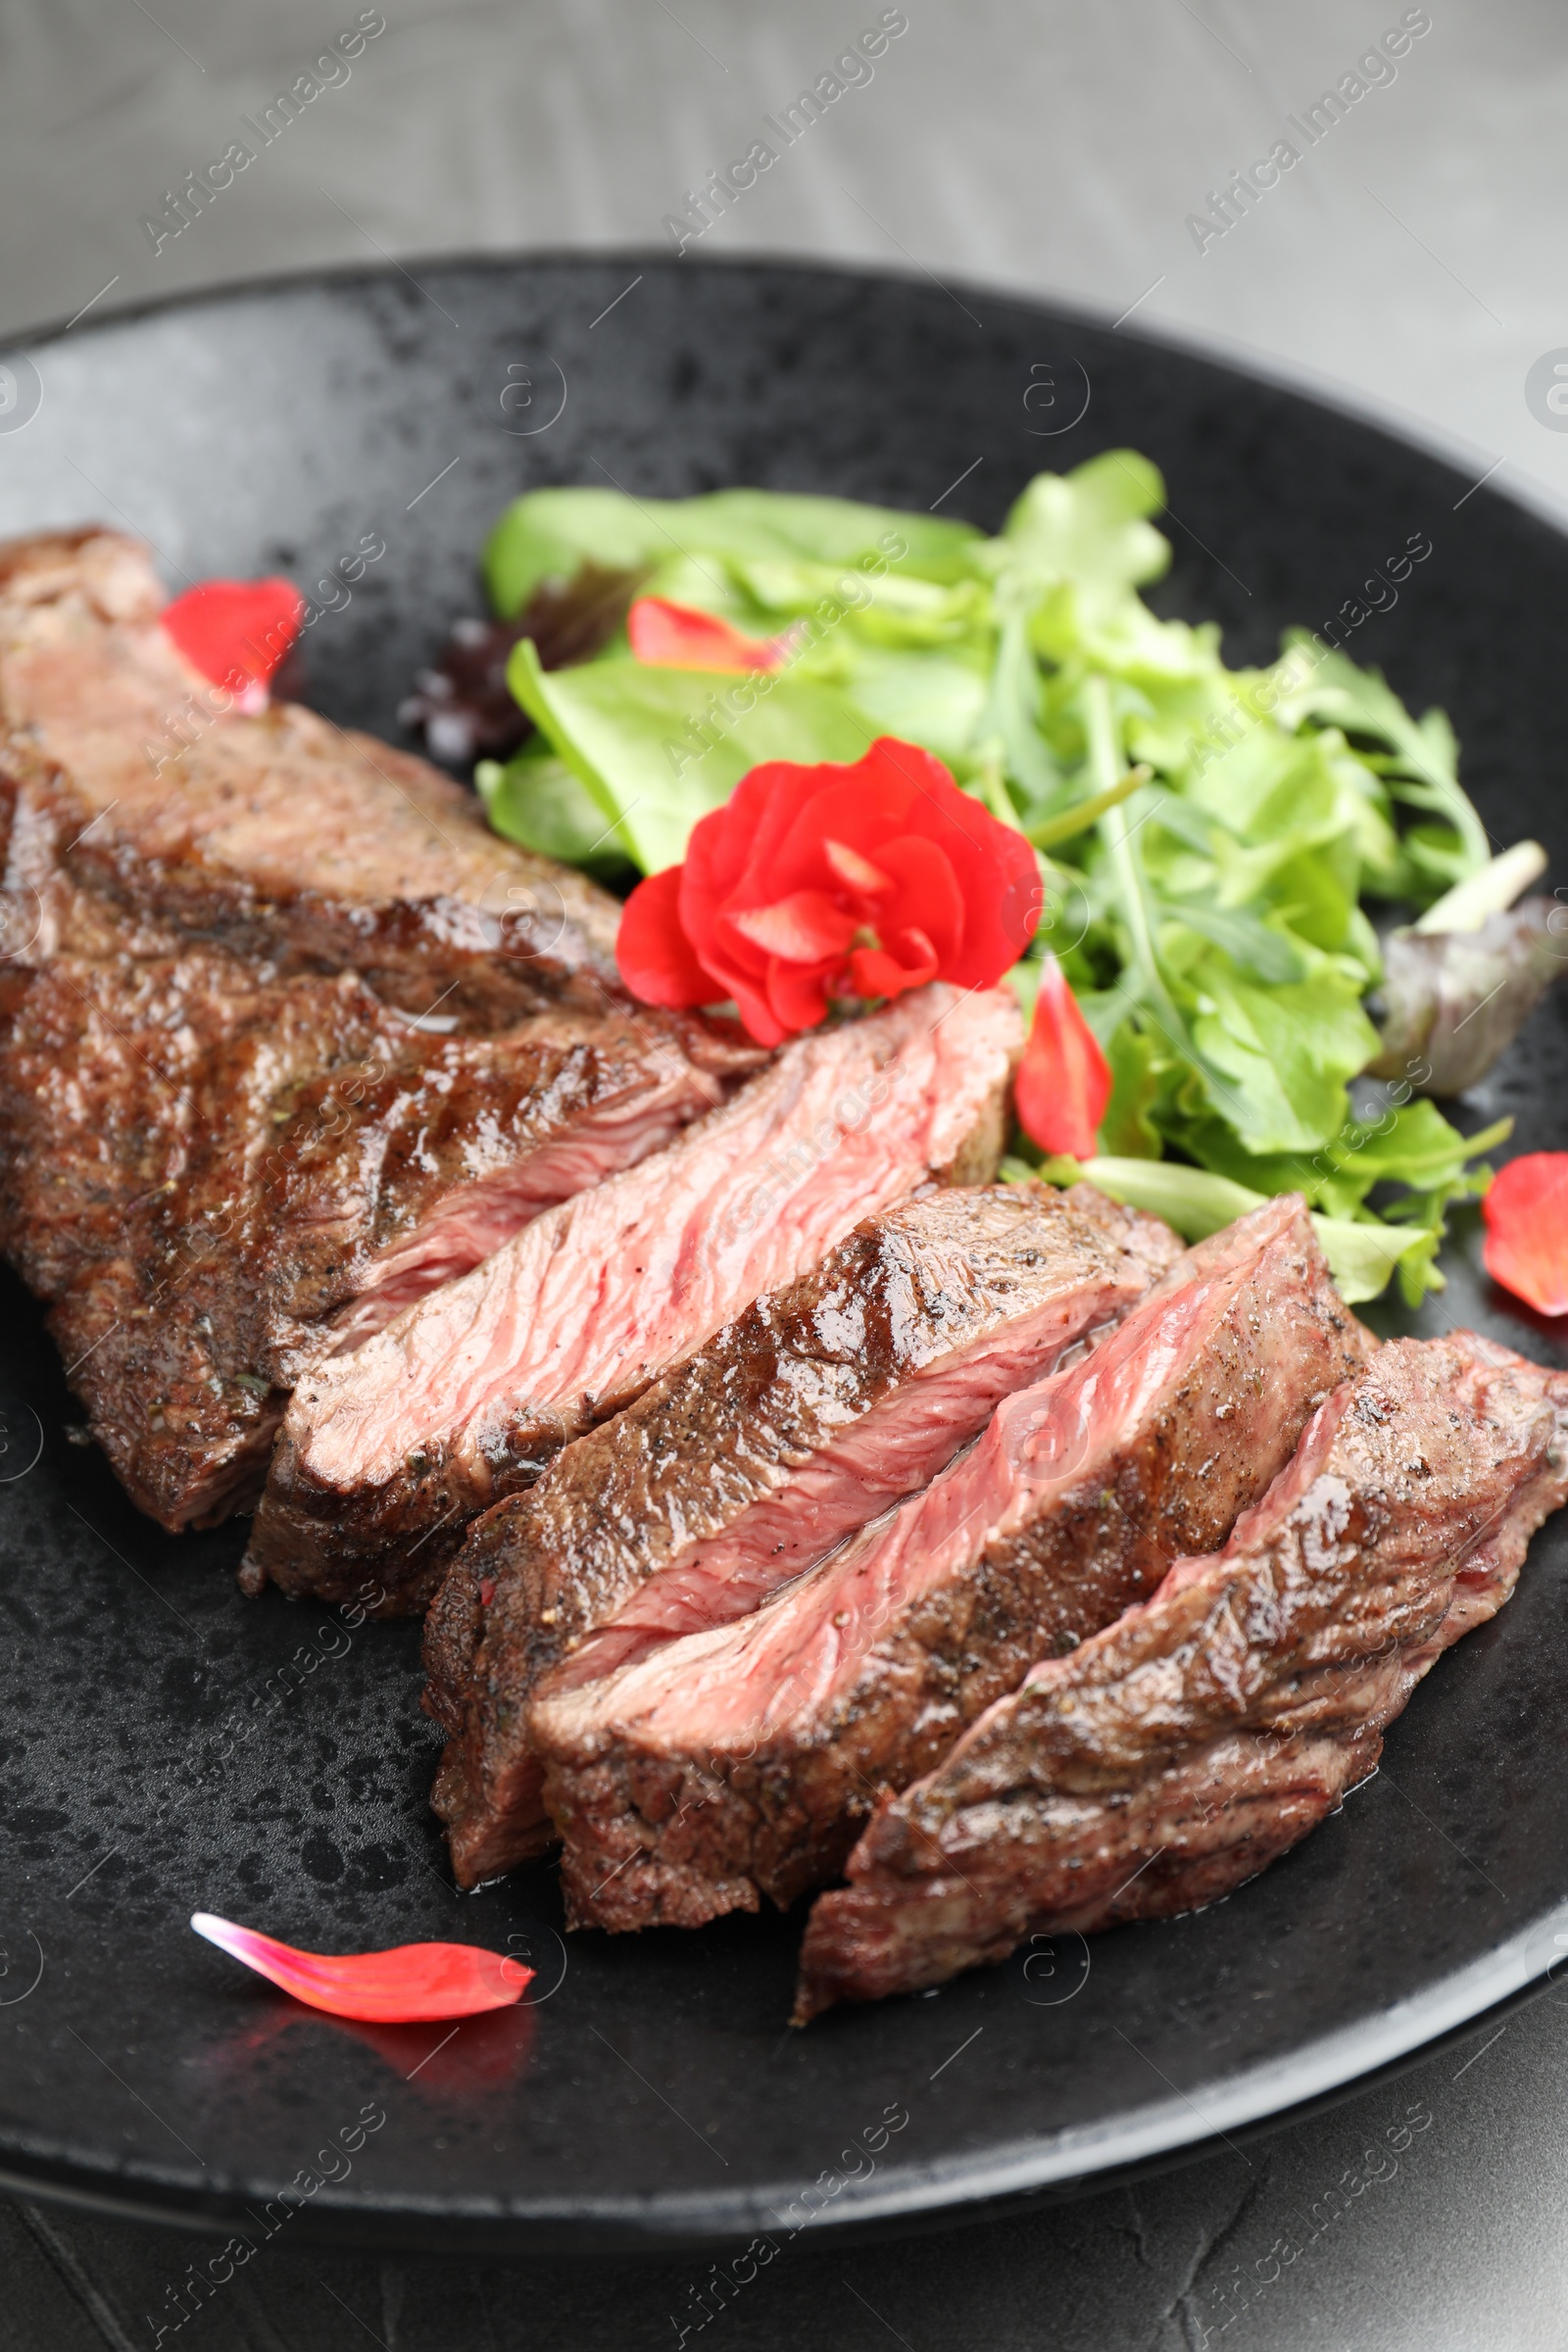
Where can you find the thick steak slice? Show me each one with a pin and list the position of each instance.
(456, 1144)
(210, 1175)
(815, 1409)
(386, 1454)
(748, 1758)
(1174, 1755)
(281, 835)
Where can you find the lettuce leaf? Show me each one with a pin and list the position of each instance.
(657, 749)
(536, 800)
(1361, 1257)
(547, 535)
(1289, 1051)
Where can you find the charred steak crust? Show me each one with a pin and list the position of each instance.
(749, 1759)
(105, 1106)
(282, 836)
(814, 1409)
(386, 1456)
(203, 1168)
(1181, 1751)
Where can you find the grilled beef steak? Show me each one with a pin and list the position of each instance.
(215, 1150)
(386, 1454)
(749, 1757)
(813, 1411)
(282, 836)
(1178, 1752)
(212, 1176)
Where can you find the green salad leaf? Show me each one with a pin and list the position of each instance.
(547, 535)
(1209, 838)
(1362, 1254)
(656, 749)
(536, 800)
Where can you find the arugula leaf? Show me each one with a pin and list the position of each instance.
(1409, 1144)
(1289, 1051)
(1128, 1128)
(1255, 949)
(1423, 762)
(1011, 718)
(1087, 531)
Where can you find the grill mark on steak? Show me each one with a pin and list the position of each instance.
(280, 836)
(210, 1173)
(747, 1758)
(385, 1456)
(816, 1409)
(1179, 1753)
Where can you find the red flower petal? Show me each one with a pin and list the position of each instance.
(900, 791)
(1526, 1213)
(798, 995)
(679, 637)
(724, 846)
(741, 858)
(856, 872)
(657, 959)
(800, 929)
(754, 1003)
(909, 960)
(927, 899)
(414, 1981)
(1063, 1080)
(236, 632)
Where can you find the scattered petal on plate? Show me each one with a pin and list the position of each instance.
(1526, 1213)
(236, 632)
(412, 1982)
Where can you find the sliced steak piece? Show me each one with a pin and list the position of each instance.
(279, 835)
(747, 1758)
(1176, 1755)
(813, 1411)
(386, 1454)
(212, 1176)
(455, 1144)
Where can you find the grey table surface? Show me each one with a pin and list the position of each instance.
(1411, 265)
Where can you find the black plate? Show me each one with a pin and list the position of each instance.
(169, 1747)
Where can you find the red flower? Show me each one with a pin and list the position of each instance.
(1526, 1213)
(679, 637)
(1063, 1080)
(832, 881)
(236, 632)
